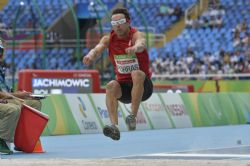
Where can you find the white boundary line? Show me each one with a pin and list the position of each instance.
(219, 148)
(185, 153)
(197, 155)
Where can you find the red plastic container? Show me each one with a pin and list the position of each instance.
(29, 128)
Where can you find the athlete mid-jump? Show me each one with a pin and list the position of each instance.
(127, 51)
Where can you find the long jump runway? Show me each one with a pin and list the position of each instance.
(203, 145)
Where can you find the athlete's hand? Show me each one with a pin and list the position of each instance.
(87, 60)
(131, 50)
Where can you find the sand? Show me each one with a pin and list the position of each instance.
(120, 162)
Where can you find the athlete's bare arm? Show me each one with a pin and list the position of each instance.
(139, 41)
(97, 51)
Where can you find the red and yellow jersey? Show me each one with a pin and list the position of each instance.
(123, 63)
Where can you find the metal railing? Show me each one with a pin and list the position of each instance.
(201, 76)
(30, 43)
(194, 9)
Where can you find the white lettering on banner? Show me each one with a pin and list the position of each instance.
(104, 113)
(140, 119)
(89, 125)
(83, 75)
(61, 82)
(153, 106)
(176, 109)
(41, 91)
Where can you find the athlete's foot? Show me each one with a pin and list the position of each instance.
(111, 131)
(131, 122)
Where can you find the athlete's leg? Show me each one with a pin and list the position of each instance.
(138, 78)
(113, 92)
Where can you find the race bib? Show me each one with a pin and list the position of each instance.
(126, 63)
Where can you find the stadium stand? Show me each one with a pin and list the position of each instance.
(216, 42)
(51, 10)
(159, 14)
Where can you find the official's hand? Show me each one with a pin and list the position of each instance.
(87, 60)
(22, 94)
(3, 101)
(25, 93)
(131, 50)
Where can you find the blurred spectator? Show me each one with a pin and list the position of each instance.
(246, 41)
(189, 22)
(218, 21)
(178, 11)
(236, 40)
(165, 10)
(223, 63)
(213, 3)
(241, 36)
(244, 26)
(212, 23)
(2, 24)
(199, 23)
(205, 23)
(30, 24)
(222, 11)
(241, 27)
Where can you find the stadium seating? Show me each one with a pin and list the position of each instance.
(201, 40)
(150, 11)
(210, 40)
(28, 15)
(56, 58)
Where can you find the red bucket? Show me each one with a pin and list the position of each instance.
(29, 128)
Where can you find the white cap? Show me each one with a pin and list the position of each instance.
(1, 44)
(178, 91)
(170, 91)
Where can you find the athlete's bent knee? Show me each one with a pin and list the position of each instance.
(112, 85)
(138, 75)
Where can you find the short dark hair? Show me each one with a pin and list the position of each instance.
(121, 11)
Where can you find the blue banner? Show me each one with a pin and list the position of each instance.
(93, 9)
